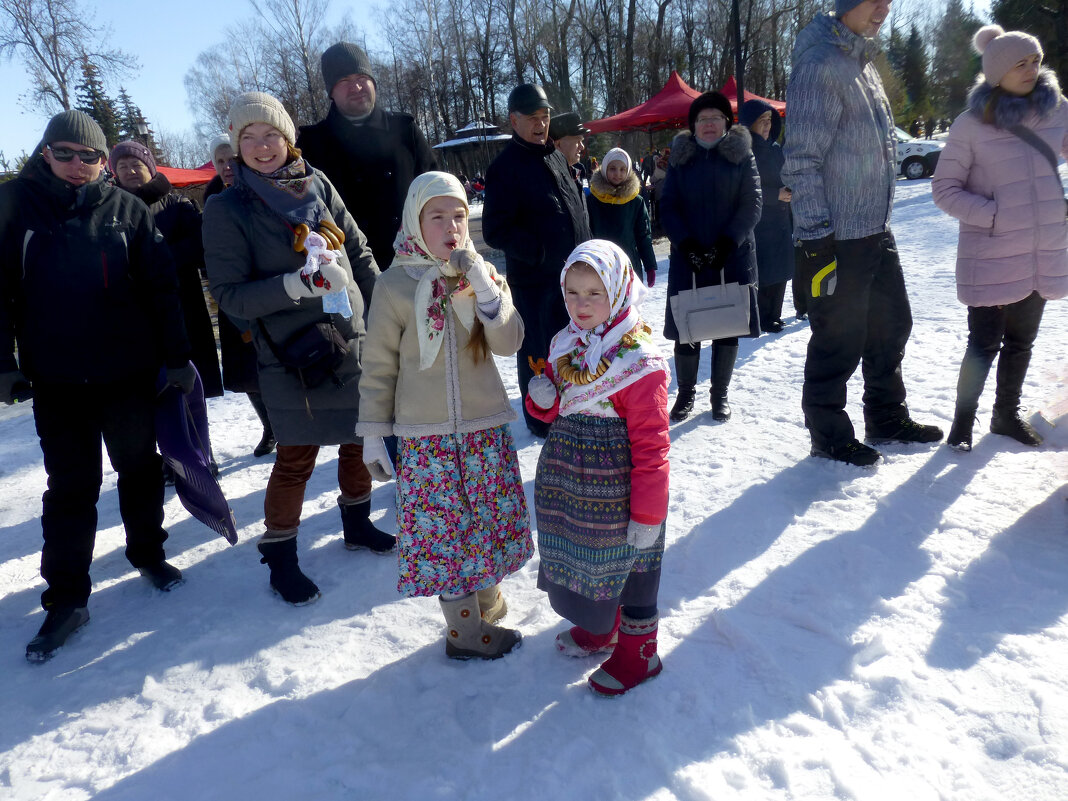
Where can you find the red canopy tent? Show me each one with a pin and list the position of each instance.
(730, 89)
(666, 109)
(179, 177)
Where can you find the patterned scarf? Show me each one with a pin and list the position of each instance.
(289, 191)
(432, 296)
(623, 342)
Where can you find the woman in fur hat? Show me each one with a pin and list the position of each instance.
(998, 176)
(709, 208)
(618, 213)
(285, 255)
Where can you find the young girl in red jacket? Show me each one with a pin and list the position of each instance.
(601, 490)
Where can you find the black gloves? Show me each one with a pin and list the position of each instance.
(818, 266)
(694, 254)
(722, 252)
(184, 378)
(14, 387)
(699, 258)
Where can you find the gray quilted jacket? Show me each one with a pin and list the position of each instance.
(840, 147)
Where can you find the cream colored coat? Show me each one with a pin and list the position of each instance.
(455, 394)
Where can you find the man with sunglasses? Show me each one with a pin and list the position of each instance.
(88, 291)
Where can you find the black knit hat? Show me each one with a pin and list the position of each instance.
(341, 59)
(711, 100)
(76, 127)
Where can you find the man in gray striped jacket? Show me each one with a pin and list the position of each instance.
(841, 166)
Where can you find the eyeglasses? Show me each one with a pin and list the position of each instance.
(65, 154)
(710, 118)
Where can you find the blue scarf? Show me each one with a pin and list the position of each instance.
(289, 191)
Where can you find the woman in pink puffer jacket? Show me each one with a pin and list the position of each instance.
(1012, 255)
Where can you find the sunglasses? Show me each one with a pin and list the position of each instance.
(65, 154)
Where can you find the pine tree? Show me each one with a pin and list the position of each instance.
(94, 101)
(914, 69)
(1047, 20)
(129, 115)
(955, 63)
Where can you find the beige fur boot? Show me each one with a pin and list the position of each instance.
(491, 603)
(469, 636)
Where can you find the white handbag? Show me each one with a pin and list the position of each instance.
(719, 311)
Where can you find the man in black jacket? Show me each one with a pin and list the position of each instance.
(536, 215)
(88, 290)
(370, 155)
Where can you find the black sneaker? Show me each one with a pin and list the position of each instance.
(164, 576)
(59, 624)
(683, 407)
(904, 430)
(852, 452)
(1012, 425)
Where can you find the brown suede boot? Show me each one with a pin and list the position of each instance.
(469, 636)
(491, 603)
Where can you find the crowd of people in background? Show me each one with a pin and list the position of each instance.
(355, 312)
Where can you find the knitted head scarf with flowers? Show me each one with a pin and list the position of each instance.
(589, 365)
(433, 297)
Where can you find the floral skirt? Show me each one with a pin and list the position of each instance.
(582, 502)
(463, 516)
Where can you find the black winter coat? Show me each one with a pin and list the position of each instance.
(619, 214)
(534, 212)
(178, 219)
(774, 246)
(371, 165)
(709, 193)
(88, 285)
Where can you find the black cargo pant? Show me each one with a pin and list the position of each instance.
(71, 420)
(866, 321)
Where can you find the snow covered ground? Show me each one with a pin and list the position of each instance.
(827, 632)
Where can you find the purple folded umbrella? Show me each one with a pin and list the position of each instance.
(182, 436)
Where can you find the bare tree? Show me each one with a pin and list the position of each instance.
(51, 37)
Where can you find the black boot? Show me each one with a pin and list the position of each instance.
(286, 577)
(723, 358)
(960, 434)
(267, 441)
(164, 576)
(974, 369)
(687, 359)
(1010, 424)
(360, 532)
(59, 624)
(1006, 420)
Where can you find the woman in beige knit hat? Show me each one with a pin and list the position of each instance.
(284, 255)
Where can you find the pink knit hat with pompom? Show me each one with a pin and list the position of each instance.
(1002, 50)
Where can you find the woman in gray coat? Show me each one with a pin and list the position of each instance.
(282, 215)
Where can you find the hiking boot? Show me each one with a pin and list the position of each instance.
(683, 407)
(904, 429)
(853, 452)
(164, 576)
(1012, 425)
(360, 532)
(59, 624)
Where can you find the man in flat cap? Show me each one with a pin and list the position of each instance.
(88, 290)
(569, 137)
(369, 154)
(535, 213)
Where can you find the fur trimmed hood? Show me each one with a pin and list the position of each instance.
(736, 146)
(615, 195)
(1013, 109)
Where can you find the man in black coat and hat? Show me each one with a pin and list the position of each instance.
(535, 213)
(369, 154)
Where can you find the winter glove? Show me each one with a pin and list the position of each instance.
(14, 387)
(330, 277)
(542, 391)
(650, 277)
(377, 459)
(818, 266)
(184, 378)
(722, 253)
(694, 254)
(470, 264)
(642, 536)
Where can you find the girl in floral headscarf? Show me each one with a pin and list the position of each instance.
(436, 317)
(601, 490)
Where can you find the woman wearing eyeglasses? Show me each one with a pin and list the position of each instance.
(709, 207)
(88, 291)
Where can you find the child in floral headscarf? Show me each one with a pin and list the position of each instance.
(601, 490)
(436, 317)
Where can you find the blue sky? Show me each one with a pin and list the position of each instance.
(166, 38)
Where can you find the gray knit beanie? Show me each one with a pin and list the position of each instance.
(341, 59)
(259, 107)
(1001, 50)
(842, 6)
(76, 127)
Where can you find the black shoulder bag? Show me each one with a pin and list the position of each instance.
(313, 354)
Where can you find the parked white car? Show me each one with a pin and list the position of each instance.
(916, 158)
